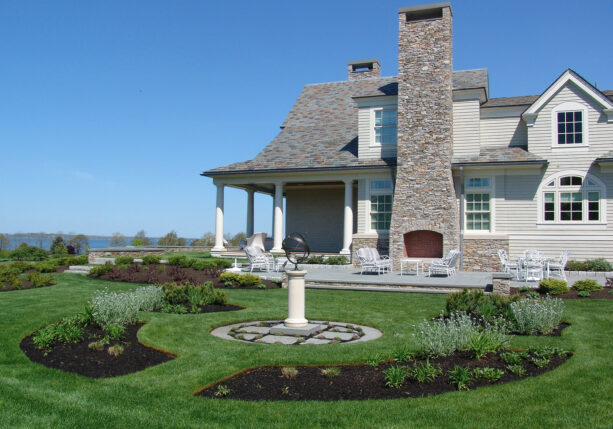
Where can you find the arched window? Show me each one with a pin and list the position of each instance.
(572, 197)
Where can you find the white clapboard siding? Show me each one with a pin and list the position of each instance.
(363, 203)
(318, 212)
(587, 245)
(516, 202)
(466, 133)
(505, 131)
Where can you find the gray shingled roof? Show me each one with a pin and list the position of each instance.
(605, 157)
(321, 130)
(492, 155)
(525, 100)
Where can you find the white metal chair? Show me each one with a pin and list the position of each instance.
(508, 266)
(446, 265)
(558, 265)
(258, 259)
(532, 255)
(370, 260)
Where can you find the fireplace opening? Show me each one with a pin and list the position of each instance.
(423, 244)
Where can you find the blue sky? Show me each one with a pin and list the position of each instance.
(110, 110)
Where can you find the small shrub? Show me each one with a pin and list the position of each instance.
(330, 372)
(113, 308)
(40, 280)
(21, 267)
(517, 369)
(395, 375)
(583, 294)
(229, 277)
(489, 374)
(176, 309)
(179, 260)
(149, 298)
(222, 390)
(537, 316)
(114, 332)
(151, 259)
(46, 266)
(511, 358)
(99, 270)
(553, 286)
(425, 372)
(588, 285)
(124, 260)
(115, 350)
(461, 377)
(319, 259)
(28, 253)
(336, 260)
(14, 281)
(576, 266)
(402, 354)
(65, 331)
(289, 372)
(246, 280)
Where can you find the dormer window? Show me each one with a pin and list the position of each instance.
(569, 125)
(385, 126)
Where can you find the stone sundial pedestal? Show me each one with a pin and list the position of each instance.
(296, 323)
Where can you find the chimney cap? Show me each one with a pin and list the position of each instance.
(363, 62)
(425, 7)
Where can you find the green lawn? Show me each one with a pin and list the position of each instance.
(577, 394)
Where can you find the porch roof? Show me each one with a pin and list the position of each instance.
(493, 155)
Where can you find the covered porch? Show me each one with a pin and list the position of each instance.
(321, 206)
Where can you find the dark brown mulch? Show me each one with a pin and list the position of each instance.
(212, 308)
(573, 294)
(357, 381)
(151, 274)
(78, 358)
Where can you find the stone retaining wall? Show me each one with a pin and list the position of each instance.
(139, 252)
(481, 254)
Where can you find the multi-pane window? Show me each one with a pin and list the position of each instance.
(385, 126)
(478, 210)
(380, 212)
(570, 127)
(571, 199)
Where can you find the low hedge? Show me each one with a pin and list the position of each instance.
(599, 264)
(101, 269)
(123, 260)
(243, 280)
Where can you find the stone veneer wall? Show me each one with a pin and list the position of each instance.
(381, 243)
(139, 252)
(424, 195)
(481, 254)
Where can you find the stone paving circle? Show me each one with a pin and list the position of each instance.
(326, 333)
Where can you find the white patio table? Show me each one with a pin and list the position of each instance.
(408, 261)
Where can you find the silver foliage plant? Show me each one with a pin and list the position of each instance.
(442, 337)
(121, 308)
(537, 316)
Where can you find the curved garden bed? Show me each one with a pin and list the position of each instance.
(82, 359)
(358, 382)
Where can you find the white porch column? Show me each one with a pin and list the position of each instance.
(278, 219)
(348, 224)
(219, 220)
(249, 231)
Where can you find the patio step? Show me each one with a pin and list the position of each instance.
(388, 287)
(78, 269)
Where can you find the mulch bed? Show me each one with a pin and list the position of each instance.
(212, 308)
(154, 274)
(26, 284)
(573, 294)
(78, 358)
(357, 381)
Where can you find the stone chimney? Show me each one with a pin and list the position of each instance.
(425, 220)
(363, 69)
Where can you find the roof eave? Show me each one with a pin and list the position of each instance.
(499, 163)
(295, 170)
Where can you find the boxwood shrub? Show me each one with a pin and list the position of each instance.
(123, 260)
(588, 285)
(553, 286)
(28, 253)
(101, 269)
(599, 264)
(151, 259)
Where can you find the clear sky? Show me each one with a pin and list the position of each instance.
(110, 110)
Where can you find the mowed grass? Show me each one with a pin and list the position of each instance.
(577, 394)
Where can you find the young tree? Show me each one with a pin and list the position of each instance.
(80, 243)
(4, 242)
(169, 239)
(117, 239)
(181, 241)
(140, 239)
(207, 239)
(58, 247)
(235, 241)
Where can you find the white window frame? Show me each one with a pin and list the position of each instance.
(569, 106)
(372, 191)
(583, 188)
(373, 142)
(479, 190)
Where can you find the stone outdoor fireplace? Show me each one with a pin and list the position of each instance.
(425, 221)
(423, 244)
